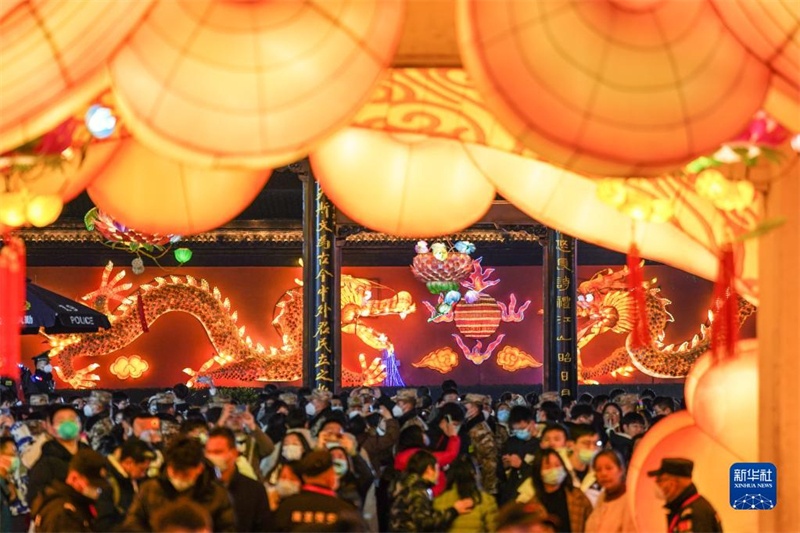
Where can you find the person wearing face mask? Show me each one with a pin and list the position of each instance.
(148, 428)
(501, 432)
(582, 446)
(41, 380)
(292, 448)
(68, 505)
(9, 465)
(249, 498)
(318, 409)
(379, 438)
(252, 443)
(412, 507)
(99, 425)
(405, 409)
(478, 440)
(611, 513)
(348, 489)
(517, 453)
(53, 464)
(553, 489)
(687, 509)
(316, 507)
(127, 466)
(185, 476)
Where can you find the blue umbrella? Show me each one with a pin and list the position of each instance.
(58, 314)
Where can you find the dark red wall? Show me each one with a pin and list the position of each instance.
(177, 340)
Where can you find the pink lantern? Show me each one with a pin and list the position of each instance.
(255, 84)
(52, 58)
(610, 87)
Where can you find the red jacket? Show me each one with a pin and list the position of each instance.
(444, 458)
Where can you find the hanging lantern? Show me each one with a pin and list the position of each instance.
(609, 90)
(53, 58)
(770, 30)
(254, 84)
(678, 436)
(156, 195)
(12, 304)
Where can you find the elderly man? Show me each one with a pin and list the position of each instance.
(687, 510)
(318, 409)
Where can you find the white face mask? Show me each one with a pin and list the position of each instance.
(88, 411)
(381, 431)
(659, 494)
(310, 409)
(353, 414)
(337, 408)
(48, 369)
(397, 411)
(292, 452)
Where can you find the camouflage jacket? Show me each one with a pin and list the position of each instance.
(482, 446)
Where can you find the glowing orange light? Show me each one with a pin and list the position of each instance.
(132, 367)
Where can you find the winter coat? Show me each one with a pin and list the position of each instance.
(53, 465)
(481, 519)
(443, 458)
(412, 509)
(155, 493)
(480, 443)
(61, 508)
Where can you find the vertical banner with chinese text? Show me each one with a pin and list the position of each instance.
(561, 357)
(319, 279)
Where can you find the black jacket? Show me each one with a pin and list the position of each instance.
(313, 509)
(61, 508)
(114, 502)
(155, 493)
(52, 465)
(250, 503)
(512, 478)
(691, 512)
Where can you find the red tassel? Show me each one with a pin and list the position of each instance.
(140, 309)
(12, 304)
(724, 329)
(640, 336)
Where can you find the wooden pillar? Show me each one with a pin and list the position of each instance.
(779, 352)
(560, 333)
(320, 279)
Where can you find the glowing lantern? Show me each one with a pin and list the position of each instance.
(678, 436)
(157, 195)
(12, 209)
(783, 102)
(700, 367)
(52, 60)
(183, 255)
(43, 210)
(609, 90)
(251, 83)
(770, 30)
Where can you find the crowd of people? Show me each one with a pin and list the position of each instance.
(309, 460)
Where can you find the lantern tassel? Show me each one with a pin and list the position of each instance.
(640, 336)
(724, 330)
(140, 311)
(12, 304)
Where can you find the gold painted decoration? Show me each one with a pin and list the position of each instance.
(132, 367)
(442, 360)
(512, 359)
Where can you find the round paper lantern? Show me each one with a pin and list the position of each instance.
(725, 401)
(678, 436)
(251, 83)
(407, 185)
(783, 103)
(770, 30)
(609, 90)
(154, 194)
(700, 367)
(52, 58)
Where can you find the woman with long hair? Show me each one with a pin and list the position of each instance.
(280, 484)
(553, 486)
(462, 482)
(611, 515)
(412, 505)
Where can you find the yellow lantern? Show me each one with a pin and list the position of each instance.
(43, 210)
(253, 84)
(153, 194)
(52, 59)
(12, 209)
(608, 90)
